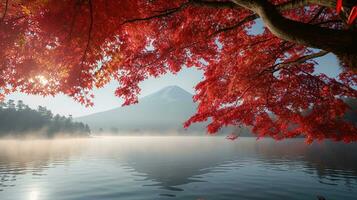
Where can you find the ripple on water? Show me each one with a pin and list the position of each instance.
(176, 168)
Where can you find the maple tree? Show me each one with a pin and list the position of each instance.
(266, 81)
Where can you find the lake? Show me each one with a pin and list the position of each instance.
(197, 168)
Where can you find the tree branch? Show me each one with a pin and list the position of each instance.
(76, 11)
(214, 4)
(89, 30)
(90, 5)
(161, 14)
(5, 10)
(337, 41)
(340, 42)
(302, 59)
(240, 23)
(319, 12)
(301, 3)
(167, 12)
(326, 3)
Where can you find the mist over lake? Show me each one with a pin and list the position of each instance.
(176, 167)
(143, 152)
(178, 100)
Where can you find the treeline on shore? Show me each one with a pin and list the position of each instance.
(19, 120)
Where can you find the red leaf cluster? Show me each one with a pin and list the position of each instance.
(256, 80)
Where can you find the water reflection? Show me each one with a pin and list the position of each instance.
(329, 160)
(33, 157)
(167, 167)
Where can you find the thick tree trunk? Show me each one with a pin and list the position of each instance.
(341, 42)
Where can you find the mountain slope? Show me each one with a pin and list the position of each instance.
(161, 111)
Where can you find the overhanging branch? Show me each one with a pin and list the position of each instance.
(337, 41)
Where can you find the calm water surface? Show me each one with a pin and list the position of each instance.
(205, 168)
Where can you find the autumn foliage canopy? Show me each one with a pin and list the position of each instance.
(265, 81)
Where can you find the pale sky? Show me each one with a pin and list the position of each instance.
(105, 99)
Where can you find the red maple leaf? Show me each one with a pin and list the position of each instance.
(266, 80)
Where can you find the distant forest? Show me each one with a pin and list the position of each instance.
(18, 120)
